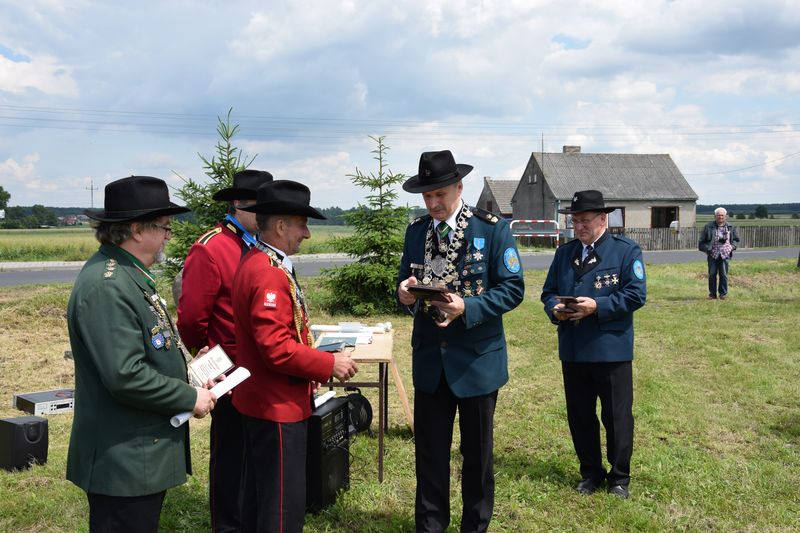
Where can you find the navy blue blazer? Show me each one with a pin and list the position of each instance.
(471, 350)
(614, 276)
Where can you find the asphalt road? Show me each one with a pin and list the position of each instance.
(311, 265)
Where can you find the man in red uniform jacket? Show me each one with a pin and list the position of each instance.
(275, 344)
(205, 317)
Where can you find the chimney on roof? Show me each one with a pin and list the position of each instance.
(571, 149)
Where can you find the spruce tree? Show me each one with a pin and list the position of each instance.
(367, 285)
(206, 212)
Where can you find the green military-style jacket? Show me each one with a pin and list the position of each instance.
(130, 378)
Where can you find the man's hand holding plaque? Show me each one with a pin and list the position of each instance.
(443, 304)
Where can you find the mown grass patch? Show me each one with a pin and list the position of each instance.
(717, 444)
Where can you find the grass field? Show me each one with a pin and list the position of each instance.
(779, 220)
(52, 244)
(717, 410)
(78, 244)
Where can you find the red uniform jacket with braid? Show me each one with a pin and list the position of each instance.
(205, 310)
(281, 361)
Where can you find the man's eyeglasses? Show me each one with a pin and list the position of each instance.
(167, 229)
(584, 221)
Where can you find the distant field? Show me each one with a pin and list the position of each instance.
(779, 220)
(52, 244)
(78, 244)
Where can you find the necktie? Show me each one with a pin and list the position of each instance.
(588, 251)
(443, 230)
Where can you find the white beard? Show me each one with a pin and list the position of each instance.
(160, 256)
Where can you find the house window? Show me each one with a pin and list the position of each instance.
(616, 218)
(616, 221)
(660, 217)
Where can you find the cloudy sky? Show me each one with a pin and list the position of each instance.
(95, 91)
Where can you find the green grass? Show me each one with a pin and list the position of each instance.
(717, 444)
(62, 244)
(779, 220)
(78, 244)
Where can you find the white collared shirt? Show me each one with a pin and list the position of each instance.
(452, 220)
(286, 261)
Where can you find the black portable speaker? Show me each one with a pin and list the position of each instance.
(23, 440)
(328, 455)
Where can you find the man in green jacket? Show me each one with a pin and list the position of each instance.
(130, 366)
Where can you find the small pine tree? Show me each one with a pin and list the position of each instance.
(206, 212)
(367, 285)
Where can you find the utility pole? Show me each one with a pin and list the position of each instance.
(92, 188)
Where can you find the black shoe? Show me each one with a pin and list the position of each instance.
(712, 296)
(620, 491)
(722, 296)
(587, 486)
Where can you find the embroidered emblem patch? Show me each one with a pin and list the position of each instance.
(158, 341)
(270, 299)
(638, 269)
(511, 260)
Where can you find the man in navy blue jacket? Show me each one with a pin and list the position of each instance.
(605, 275)
(458, 344)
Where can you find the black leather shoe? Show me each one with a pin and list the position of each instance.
(587, 486)
(620, 491)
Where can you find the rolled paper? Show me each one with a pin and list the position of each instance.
(220, 389)
(319, 400)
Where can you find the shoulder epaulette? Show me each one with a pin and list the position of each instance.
(483, 214)
(207, 236)
(420, 219)
(111, 268)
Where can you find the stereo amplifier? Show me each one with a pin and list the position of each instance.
(45, 402)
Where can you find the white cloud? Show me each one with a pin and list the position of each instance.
(11, 170)
(42, 73)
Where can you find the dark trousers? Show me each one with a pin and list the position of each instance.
(717, 267)
(613, 384)
(125, 514)
(275, 472)
(226, 467)
(434, 415)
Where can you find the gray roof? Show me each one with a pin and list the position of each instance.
(502, 190)
(617, 176)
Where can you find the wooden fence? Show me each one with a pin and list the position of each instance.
(686, 238)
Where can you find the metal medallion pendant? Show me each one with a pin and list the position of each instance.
(438, 266)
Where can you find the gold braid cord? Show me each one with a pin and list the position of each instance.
(300, 318)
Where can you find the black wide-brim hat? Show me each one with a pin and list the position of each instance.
(436, 170)
(245, 186)
(587, 201)
(135, 198)
(284, 197)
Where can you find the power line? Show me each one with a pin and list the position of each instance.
(765, 163)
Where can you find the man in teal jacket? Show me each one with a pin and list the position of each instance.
(130, 372)
(458, 344)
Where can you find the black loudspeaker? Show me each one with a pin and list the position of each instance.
(328, 456)
(23, 440)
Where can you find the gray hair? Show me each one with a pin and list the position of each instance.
(719, 210)
(117, 232)
(266, 222)
(111, 232)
